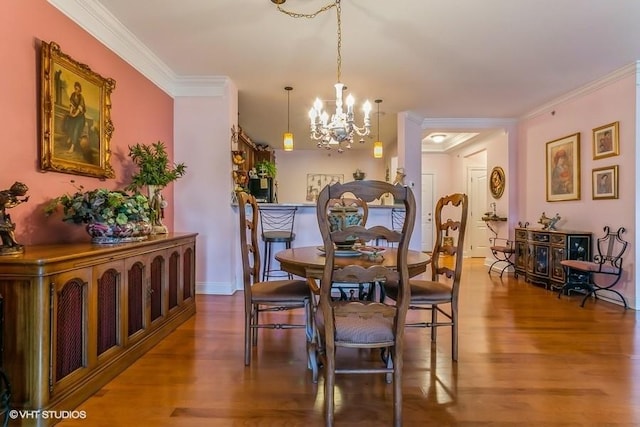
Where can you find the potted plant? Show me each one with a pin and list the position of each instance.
(266, 168)
(111, 215)
(155, 171)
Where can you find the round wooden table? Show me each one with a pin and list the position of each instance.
(308, 261)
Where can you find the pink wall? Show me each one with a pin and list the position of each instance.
(613, 102)
(141, 113)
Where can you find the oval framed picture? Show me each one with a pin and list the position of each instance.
(497, 181)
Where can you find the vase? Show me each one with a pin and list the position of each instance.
(118, 233)
(341, 218)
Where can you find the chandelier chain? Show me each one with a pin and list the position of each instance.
(325, 8)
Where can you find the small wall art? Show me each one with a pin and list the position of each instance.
(604, 182)
(606, 141)
(563, 168)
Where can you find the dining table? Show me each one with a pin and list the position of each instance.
(308, 261)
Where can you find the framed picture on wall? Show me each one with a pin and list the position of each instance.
(317, 181)
(563, 168)
(604, 182)
(606, 142)
(76, 125)
(497, 181)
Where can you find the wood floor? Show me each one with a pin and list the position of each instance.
(526, 358)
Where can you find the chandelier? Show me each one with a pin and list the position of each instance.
(341, 129)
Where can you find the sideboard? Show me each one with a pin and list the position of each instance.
(539, 253)
(76, 315)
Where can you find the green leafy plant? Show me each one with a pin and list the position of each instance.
(101, 206)
(267, 167)
(154, 167)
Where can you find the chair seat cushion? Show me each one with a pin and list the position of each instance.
(590, 266)
(280, 291)
(356, 330)
(423, 291)
(505, 249)
(278, 236)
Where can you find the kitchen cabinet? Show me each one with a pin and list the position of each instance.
(76, 315)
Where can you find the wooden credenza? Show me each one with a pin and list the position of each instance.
(539, 253)
(76, 315)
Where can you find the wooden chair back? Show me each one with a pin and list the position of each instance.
(249, 217)
(447, 257)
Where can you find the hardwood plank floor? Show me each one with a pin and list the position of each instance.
(526, 358)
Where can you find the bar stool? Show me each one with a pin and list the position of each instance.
(277, 227)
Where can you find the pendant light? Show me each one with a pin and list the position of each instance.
(288, 136)
(377, 146)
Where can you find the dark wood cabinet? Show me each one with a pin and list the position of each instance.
(539, 253)
(76, 315)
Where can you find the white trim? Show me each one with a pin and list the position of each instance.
(586, 89)
(96, 20)
(215, 288)
(466, 123)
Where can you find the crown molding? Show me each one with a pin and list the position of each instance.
(631, 69)
(467, 123)
(96, 20)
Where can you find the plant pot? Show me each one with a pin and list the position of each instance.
(118, 233)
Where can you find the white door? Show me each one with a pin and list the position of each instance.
(427, 212)
(477, 229)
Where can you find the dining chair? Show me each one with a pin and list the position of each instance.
(601, 274)
(270, 296)
(446, 270)
(363, 324)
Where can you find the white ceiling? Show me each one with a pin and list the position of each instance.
(434, 58)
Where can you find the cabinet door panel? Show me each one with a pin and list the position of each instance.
(156, 287)
(135, 297)
(557, 270)
(173, 278)
(108, 306)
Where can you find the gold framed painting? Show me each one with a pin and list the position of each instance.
(497, 181)
(76, 125)
(606, 142)
(604, 182)
(563, 168)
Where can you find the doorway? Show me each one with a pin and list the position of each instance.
(477, 190)
(427, 212)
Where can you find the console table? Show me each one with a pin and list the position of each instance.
(76, 315)
(539, 253)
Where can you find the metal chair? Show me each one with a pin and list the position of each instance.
(277, 227)
(601, 274)
(446, 272)
(363, 324)
(397, 221)
(502, 250)
(272, 296)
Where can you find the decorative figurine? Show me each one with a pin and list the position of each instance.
(400, 175)
(549, 223)
(9, 199)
